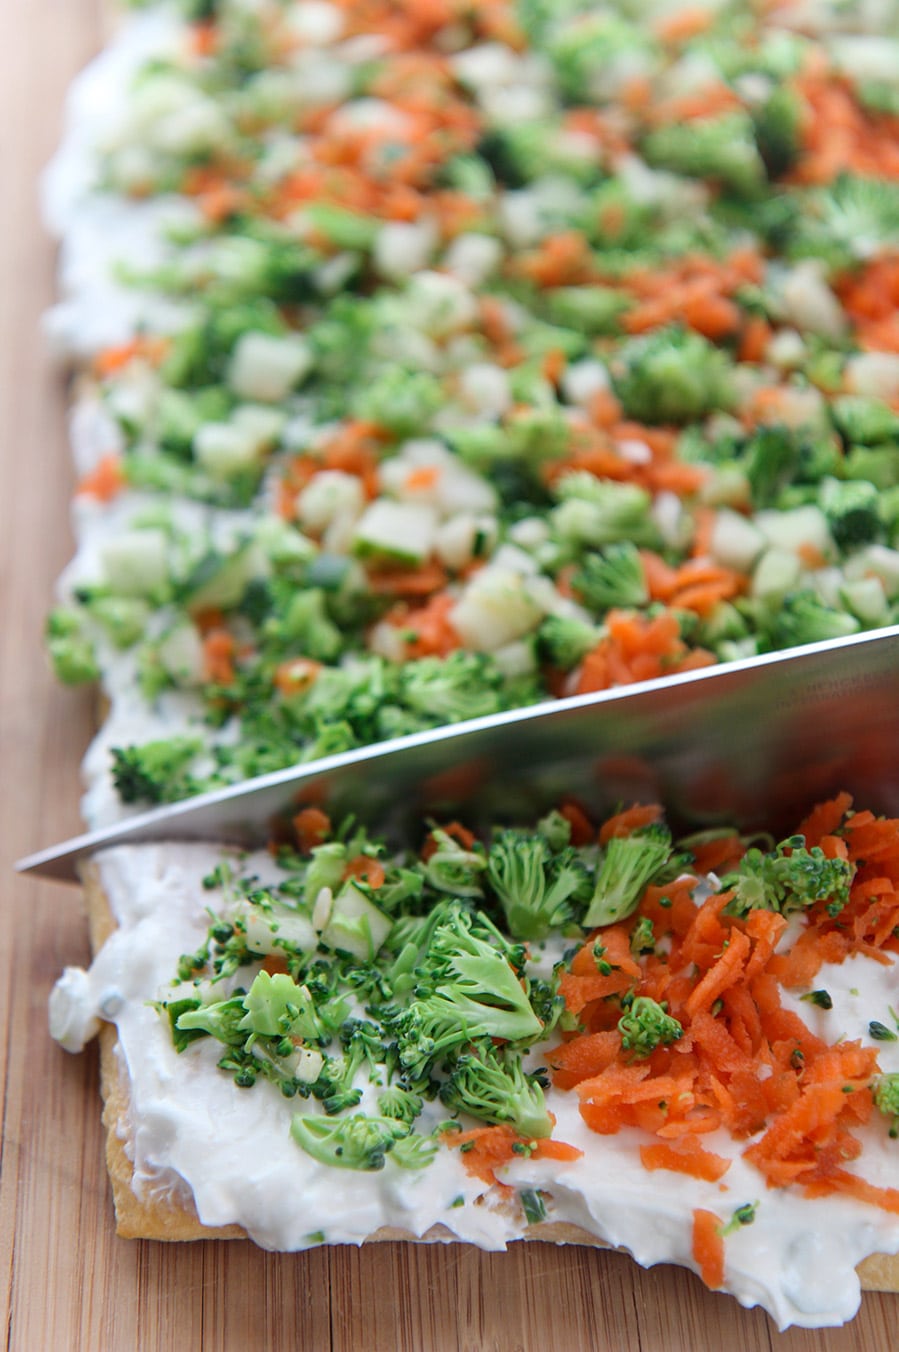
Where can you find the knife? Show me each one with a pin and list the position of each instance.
(752, 743)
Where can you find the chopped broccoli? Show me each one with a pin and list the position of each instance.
(402, 401)
(452, 689)
(493, 1086)
(628, 865)
(596, 512)
(277, 1007)
(587, 309)
(555, 830)
(802, 619)
(787, 879)
(886, 1098)
(454, 869)
(848, 222)
(71, 650)
(307, 624)
(852, 510)
(777, 127)
(769, 460)
(221, 1020)
(156, 772)
(647, 1025)
(564, 640)
(613, 578)
(535, 889)
(866, 422)
(356, 1142)
(673, 376)
(400, 1104)
(722, 148)
(467, 989)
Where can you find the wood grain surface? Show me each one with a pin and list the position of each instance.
(67, 1284)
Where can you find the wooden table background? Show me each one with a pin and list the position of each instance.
(66, 1283)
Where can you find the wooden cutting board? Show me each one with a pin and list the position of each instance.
(66, 1283)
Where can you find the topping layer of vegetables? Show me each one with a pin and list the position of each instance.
(485, 354)
(376, 990)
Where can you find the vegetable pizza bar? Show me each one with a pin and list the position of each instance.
(436, 359)
(687, 1049)
(433, 359)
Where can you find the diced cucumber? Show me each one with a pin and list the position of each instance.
(736, 542)
(802, 528)
(401, 532)
(180, 653)
(224, 450)
(268, 931)
(866, 600)
(267, 368)
(495, 609)
(355, 925)
(136, 563)
(229, 580)
(777, 572)
(875, 561)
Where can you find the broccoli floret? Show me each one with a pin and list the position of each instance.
(564, 641)
(628, 865)
(592, 310)
(647, 1025)
(535, 889)
(802, 619)
(613, 578)
(308, 625)
(71, 651)
(788, 879)
(866, 422)
(467, 989)
(848, 222)
(597, 512)
(886, 1098)
(555, 830)
(400, 1104)
(356, 1142)
(452, 689)
(777, 125)
(851, 508)
(156, 772)
(673, 376)
(769, 461)
(586, 46)
(222, 1020)
(723, 148)
(402, 401)
(277, 1007)
(493, 1086)
(454, 869)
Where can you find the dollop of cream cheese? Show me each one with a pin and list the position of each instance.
(190, 1127)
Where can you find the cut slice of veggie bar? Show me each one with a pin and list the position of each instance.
(687, 1049)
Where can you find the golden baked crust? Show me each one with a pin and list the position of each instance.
(169, 1218)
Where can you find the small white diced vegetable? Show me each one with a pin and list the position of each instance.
(736, 542)
(266, 367)
(136, 562)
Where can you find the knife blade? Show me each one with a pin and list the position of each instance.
(750, 743)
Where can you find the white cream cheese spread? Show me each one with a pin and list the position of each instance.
(191, 1128)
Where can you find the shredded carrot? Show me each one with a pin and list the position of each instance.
(630, 820)
(219, 650)
(366, 869)
(105, 481)
(312, 827)
(687, 1157)
(708, 1248)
